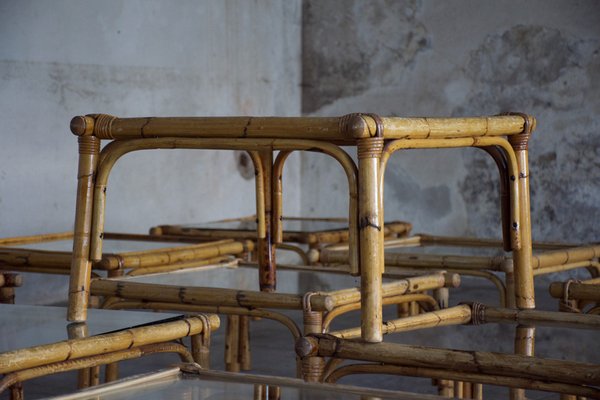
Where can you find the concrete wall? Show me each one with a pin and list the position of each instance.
(460, 58)
(136, 58)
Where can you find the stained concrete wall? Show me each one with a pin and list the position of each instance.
(136, 58)
(461, 58)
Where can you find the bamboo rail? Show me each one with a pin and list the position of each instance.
(70, 349)
(484, 314)
(164, 306)
(13, 378)
(434, 373)
(207, 296)
(575, 290)
(345, 128)
(507, 365)
(458, 315)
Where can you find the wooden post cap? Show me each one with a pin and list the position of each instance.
(82, 125)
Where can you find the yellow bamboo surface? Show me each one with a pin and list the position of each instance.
(449, 316)
(48, 237)
(94, 361)
(207, 295)
(59, 261)
(577, 291)
(100, 344)
(352, 126)
(398, 287)
(434, 373)
(566, 256)
(535, 317)
(508, 365)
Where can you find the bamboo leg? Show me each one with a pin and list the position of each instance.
(244, 345)
(458, 389)
(524, 289)
(442, 296)
(370, 237)
(403, 310)
(524, 345)
(231, 344)
(509, 280)
(477, 391)
(89, 147)
(312, 367)
(445, 387)
(111, 372)
(95, 376)
(7, 295)
(266, 250)
(16, 392)
(76, 331)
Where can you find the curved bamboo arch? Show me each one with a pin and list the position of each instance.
(511, 158)
(112, 152)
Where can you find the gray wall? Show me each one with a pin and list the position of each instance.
(460, 58)
(136, 58)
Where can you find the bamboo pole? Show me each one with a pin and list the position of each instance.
(88, 346)
(79, 283)
(345, 128)
(507, 365)
(173, 255)
(444, 374)
(232, 344)
(398, 287)
(566, 256)
(524, 288)
(524, 345)
(457, 315)
(575, 290)
(208, 263)
(278, 196)
(93, 361)
(244, 344)
(266, 251)
(206, 296)
(399, 300)
(42, 238)
(260, 313)
(484, 314)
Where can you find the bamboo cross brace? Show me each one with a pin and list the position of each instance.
(575, 290)
(346, 128)
(508, 365)
(458, 315)
(76, 348)
(206, 295)
(286, 321)
(485, 314)
(401, 286)
(94, 361)
(434, 373)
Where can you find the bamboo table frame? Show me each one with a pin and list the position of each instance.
(314, 239)
(158, 260)
(80, 353)
(505, 137)
(550, 258)
(515, 371)
(318, 308)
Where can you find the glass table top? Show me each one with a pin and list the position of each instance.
(25, 325)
